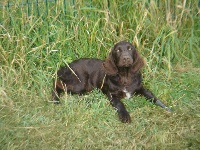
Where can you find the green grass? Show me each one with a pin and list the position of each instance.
(28, 121)
(33, 47)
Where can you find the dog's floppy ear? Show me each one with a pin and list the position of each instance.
(109, 66)
(138, 62)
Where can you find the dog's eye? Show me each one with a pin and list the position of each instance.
(129, 48)
(118, 50)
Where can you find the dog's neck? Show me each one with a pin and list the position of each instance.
(124, 74)
(123, 71)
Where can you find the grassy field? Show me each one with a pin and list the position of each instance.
(35, 40)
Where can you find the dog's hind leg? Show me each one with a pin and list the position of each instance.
(58, 88)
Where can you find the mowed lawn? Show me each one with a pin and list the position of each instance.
(29, 121)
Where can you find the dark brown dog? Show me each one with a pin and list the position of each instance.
(118, 77)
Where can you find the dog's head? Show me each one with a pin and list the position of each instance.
(123, 55)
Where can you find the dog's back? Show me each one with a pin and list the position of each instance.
(81, 75)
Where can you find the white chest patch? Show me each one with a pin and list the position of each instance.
(128, 94)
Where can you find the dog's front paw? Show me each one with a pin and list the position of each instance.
(124, 117)
(161, 104)
(168, 109)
